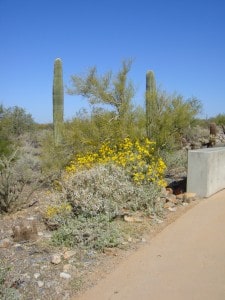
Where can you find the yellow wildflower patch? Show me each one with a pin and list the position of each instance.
(138, 158)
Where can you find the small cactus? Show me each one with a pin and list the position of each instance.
(150, 101)
(212, 134)
(58, 101)
(212, 128)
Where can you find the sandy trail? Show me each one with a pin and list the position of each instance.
(186, 261)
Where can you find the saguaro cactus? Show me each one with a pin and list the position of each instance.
(58, 101)
(150, 101)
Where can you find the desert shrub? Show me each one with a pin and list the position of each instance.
(219, 119)
(57, 214)
(106, 189)
(172, 116)
(11, 187)
(196, 133)
(16, 121)
(98, 191)
(138, 158)
(95, 232)
(54, 159)
(17, 181)
(175, 159)
(5, 146)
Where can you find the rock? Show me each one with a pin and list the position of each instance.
(69, 254)
(168, 204)
(132, 219)
(180, 197)
(158, 221)
(171, 198)
(169, 191)
(31, 218)
(25, 230)
(65, 275)
(40, 284)
(172, 209)
(67, 267)
(36, 275)
(5, 243)
(56, 259)
(110, 251)
(188, 197)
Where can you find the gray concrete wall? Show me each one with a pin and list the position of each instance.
(206, 171)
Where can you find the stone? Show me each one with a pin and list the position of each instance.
(56, 259)
(5, 243)
(36, 275)
(65, 275)
(69, 254)
(169, 191)
(172, 209)
(158, 221)
(40, 283)
(110, 251)
(188, 197)
(132, 219)
(68, 267)
(180, 197)
(168, 204)
(172, 198)
(25, 230)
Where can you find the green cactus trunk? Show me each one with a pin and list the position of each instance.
(58, 102)
(150, 102)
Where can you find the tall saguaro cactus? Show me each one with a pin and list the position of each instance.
(58, 101)
(150, 101)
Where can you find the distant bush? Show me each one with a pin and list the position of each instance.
(16, 121)
(219, 119)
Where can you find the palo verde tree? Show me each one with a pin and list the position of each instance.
(58, 101)
(113, 91)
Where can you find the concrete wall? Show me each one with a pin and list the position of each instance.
(206, 171)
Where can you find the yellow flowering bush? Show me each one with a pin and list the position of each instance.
(55, 210)
(138, 158)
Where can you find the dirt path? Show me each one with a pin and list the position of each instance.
(186, 261)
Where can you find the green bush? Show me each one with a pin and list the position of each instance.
(96, 232)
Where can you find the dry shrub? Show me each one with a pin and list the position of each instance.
(107, 189)
(97, 196)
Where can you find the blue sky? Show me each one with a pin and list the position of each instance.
(183, 42)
